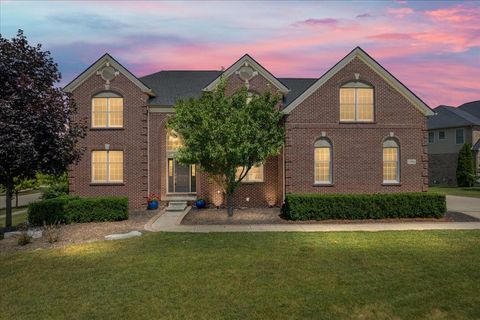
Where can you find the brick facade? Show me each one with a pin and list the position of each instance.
(357, 148)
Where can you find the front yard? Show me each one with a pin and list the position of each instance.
(384, 275)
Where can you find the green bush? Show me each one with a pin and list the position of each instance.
(74, 209)
(364, 206)
(465, 168)
(97, 209)
(55, 191)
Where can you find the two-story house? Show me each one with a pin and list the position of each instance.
(448, 130)
(355, 129)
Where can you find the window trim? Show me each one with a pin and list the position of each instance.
(107, 181)
(433, 135)
(107, 95)
(357, 85)
(323, 143)
(463, 136)
(444, 135)
(391, 143)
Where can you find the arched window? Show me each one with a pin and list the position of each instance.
(174, 141)
(391, 161)
(107, 110)
(323, 161)
(356, 102)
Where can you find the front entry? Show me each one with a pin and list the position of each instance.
(181, 178)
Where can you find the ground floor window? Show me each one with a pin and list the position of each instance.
(107, 166)
(323, 161)
(255, 174)
(391, 162)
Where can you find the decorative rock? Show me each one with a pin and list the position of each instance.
(34, 233)
(120, 236)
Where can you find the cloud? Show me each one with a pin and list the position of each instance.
(400, 12)
(317, 22)
(364, 15)
(91, 21)
(392, 36)
(457, 14)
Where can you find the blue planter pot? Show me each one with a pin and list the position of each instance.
(152, 205)
(200, 203)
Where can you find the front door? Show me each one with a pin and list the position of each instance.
(181, 178)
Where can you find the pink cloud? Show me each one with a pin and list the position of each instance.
(392, 36)
(400, 12)
(457, 14)
(317, 22)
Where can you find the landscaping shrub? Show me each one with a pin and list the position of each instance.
(74, 209)
(55, 191)
(465, 168)
(364, 206)
(97, 209)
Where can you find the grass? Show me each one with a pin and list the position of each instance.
(384, 275)
(456, 191)
(16, 219)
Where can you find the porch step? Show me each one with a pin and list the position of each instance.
(176, 206)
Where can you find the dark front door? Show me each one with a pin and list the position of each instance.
(181, 178)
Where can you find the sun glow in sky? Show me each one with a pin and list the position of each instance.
(432, 47)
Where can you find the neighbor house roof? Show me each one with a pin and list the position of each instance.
(472, 107)
(450, 117)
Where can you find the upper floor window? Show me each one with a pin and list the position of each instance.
(174, 141)
(323, 161)
(255, 174)
(459, 136)
(391, 161)
(107, 110)
(107, 166)
(442, 135)
(431, 137)
(356, 102)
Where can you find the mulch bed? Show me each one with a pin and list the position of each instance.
(273, 216)
(85, 232)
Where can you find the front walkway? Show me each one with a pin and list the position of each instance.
(171, 222)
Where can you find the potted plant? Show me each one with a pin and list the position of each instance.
(152, 201)
(200, 203)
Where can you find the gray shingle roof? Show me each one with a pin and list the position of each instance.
(472, 107)
(170, 86)
(449, 117)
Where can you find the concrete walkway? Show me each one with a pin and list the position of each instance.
(171, 222)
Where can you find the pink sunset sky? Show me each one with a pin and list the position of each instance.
(432, 47)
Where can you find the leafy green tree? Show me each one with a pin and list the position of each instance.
(465, 168)
(23, 184)
(37, 128)
(222, 133)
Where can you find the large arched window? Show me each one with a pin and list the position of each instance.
(391, 161)
(323, 161)
(174, 141)
(356, 102)
(107, 110)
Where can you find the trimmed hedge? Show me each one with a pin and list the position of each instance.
(364, 206)
(75, 209)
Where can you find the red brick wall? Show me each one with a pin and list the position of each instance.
(357, 148)
(132, 139)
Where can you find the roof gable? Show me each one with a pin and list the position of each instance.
(375, 66)
(106, 61)
(247, 60)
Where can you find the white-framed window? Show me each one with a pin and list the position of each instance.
(460, 136)
(356, 102)
(174, 141)
(431, 137)
(107, 110)
(442, 135)
(323, 162)
(391, 162)
(255, 174)
(107, 166)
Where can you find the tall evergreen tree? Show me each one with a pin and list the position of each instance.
(465, 168)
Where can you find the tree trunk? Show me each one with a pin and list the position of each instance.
(8, 209)
(16, 199)
(229, 205)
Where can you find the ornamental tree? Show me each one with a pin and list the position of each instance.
(222, 133)
(37, 131)
(465, 168)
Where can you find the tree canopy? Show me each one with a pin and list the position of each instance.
(222, 133)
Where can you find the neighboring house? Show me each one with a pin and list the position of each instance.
(448, 130)
(356, 129)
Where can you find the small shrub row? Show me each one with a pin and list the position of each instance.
(364, 206)
(73, 209)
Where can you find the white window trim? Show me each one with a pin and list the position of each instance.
(108, 167)
(329, 146)
(463, 129)
(397, 181)
(108, 126)
(363, 86)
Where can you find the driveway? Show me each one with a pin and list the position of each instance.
(467, 205)
(23, 200)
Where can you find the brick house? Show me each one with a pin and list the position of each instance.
(356, 129)
(448, 130)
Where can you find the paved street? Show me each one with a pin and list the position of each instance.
(23, 200)
(470, 206)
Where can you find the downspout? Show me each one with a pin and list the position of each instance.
(148, 150)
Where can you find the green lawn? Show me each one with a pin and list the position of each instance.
(455, 191)
(384, 275)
